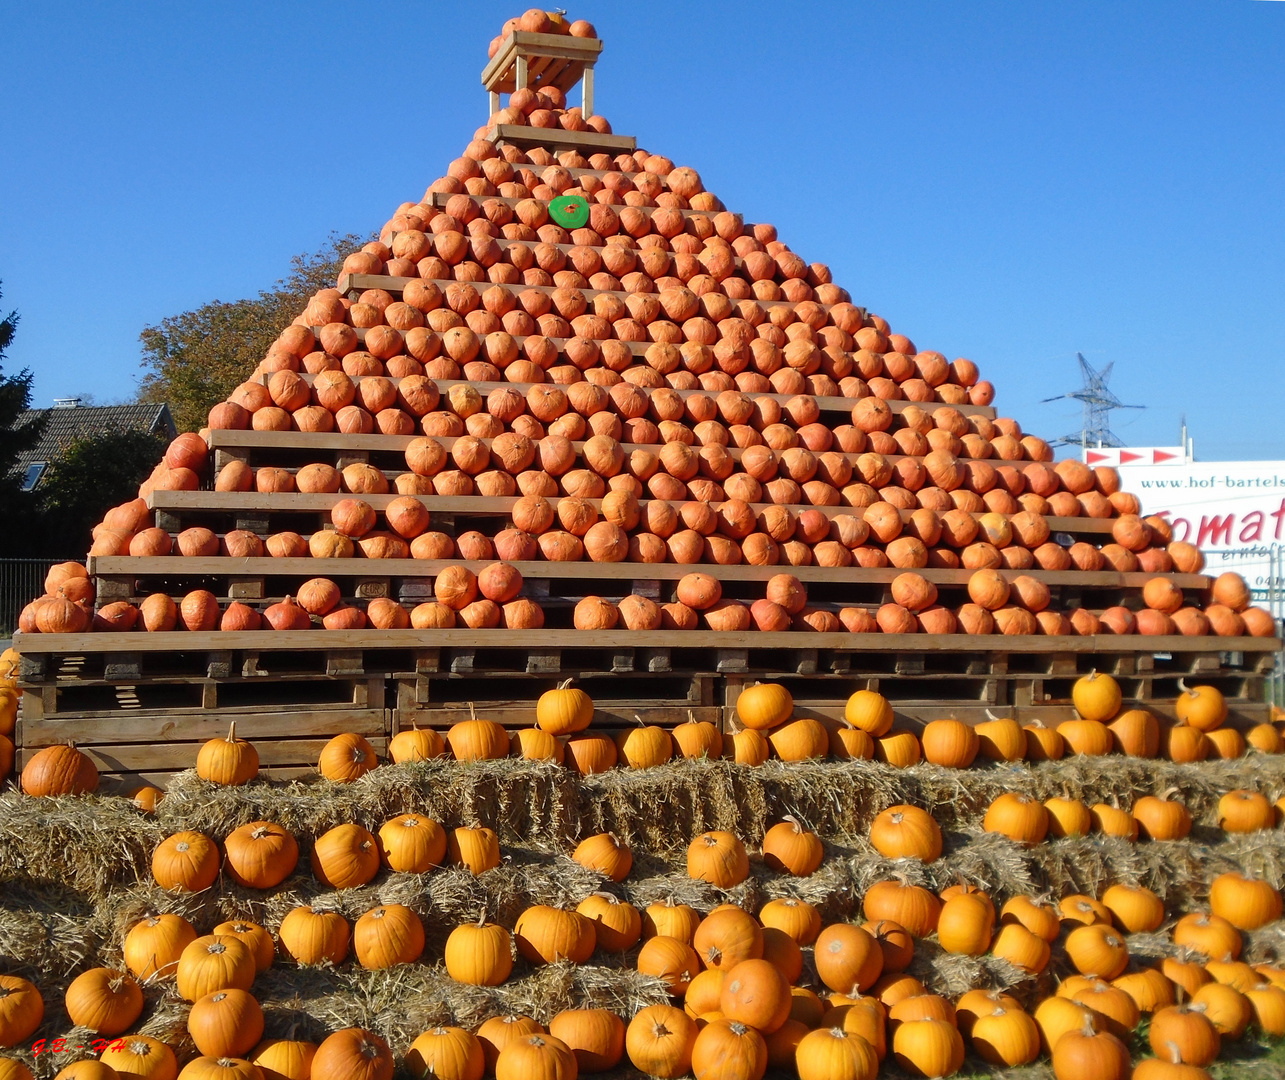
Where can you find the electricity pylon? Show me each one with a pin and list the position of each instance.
(1098, 402)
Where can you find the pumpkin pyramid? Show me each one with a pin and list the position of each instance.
(663, 384)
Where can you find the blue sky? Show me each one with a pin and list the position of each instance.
(1008, 181)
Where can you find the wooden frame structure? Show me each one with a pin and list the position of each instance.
(539, 60)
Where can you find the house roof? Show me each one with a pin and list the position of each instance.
(68, 422)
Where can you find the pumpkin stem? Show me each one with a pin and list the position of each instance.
(232, 732)
(639, 720)
(565, 684)
(798, 825)
(472, 713)
(1172, 1052)
(1170, 791)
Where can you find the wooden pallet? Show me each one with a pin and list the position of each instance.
(112, 684)
(31, 646)
(987, 671)
(428, 678)
(992, 670)
(150, 747)
(183, 504)
(587, 142)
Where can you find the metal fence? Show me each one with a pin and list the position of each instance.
(21, 581)
(1276, 605)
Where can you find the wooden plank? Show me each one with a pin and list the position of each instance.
(346, 710)
(824, 403)
(294, 640)
(162, 727)
(447, 442)
(298, 502)
(555, 138)
(626, 571)
(355, 282)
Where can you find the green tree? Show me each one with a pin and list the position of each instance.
(17, 507)
(194, 360)
(92, 474)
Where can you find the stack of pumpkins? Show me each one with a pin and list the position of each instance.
(672, 362)
(537, 21)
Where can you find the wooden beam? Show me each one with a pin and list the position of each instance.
(447, 442)
(639, 348)
(294, 640)
(525, 138)
(132, 566)
(298, 502)
(164, 727)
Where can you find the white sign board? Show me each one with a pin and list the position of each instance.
(1234, 511)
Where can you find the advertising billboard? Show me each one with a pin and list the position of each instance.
(1234, 511)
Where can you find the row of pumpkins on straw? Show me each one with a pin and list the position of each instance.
(733, 979)
(768, 728)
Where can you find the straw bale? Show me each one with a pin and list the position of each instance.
(89, 843)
